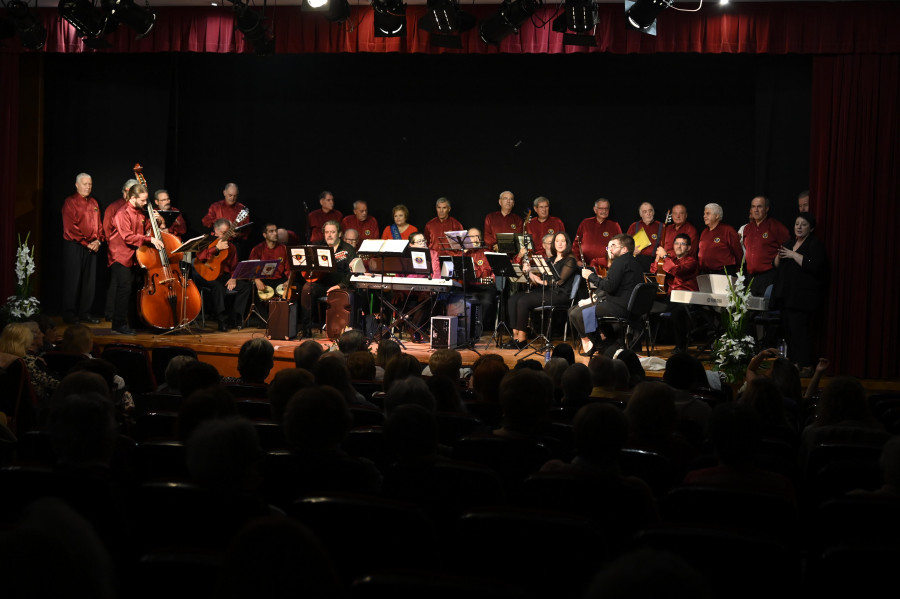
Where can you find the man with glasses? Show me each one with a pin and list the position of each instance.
(623, 276)
(594, 234)
(681, 270)
(502, 221)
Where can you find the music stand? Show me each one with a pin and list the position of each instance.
(503, 267)
(255, 269)
(461, 241)
(394, 257)
(169, 216)
(545, 270)
(189, 247)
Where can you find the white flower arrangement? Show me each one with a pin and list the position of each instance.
(734, 349)
(22, 306)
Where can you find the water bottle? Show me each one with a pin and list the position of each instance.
(546, 355)
(782, 348)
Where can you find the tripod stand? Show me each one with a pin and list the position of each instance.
(547, 272)
(504, 272)
(460, 240)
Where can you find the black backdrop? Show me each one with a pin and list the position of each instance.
(397, 128)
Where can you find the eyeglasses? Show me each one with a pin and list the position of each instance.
(613, 246)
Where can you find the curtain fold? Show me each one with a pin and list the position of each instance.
(855, 180)
(9, 124)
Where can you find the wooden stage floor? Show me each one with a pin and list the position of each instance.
(221, 349)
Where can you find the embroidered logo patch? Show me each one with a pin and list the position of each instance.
(480, 262)
(653, 236)
(606, 233)
(512, 226)
(368, 231)
(717, 239)
(550, 231)
(765, 235)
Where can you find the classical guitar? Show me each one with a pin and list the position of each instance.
(211, 268)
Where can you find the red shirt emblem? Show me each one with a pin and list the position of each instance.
(717, 239)
(606, 233)
(512, 226)
(480, 262)
(766, 235)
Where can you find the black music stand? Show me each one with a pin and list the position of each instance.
(504, 270)
(306, 259)
(462, 242)
(255, 269)
(546, 271)
(187, 249)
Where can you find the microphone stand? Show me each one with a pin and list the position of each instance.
(545, 270)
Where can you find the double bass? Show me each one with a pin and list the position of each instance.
(166, 300)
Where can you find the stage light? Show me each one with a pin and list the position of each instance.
(641, 15)
(140, 19)
(26, 24)
(87, 20)
(580, 17)
(445, 22)
(250, 23)
(335, 11)
(507, 21)
(389, 17)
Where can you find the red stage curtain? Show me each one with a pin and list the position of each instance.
(855, 179)
(803, 27)
(9, 124)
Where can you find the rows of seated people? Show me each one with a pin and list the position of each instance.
(361, 473)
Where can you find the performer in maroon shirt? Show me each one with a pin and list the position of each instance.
(83, 233)
(319, 217)
(678, 225)
(484, 291)
(270, 249)
(130, 226)
(653, 229)
(763, 236)
(365, 225)
(720, 246)
(164, 202)
(218, 287)
(436, 227)
(544, 224)
(109, 228)
(594, 234)
(502, 221)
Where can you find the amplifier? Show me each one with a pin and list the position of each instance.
(443, 332)
(282, 321)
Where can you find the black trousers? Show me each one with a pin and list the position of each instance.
(520, 305)
(217, 292)
(122, 279)
(79, 279)
(796, 333)
(576, 314)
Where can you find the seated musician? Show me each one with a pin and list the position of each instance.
(681, 273)
(224, 285)
(270, 249)
(316, 287)
(420, 317)
(483, 291)
(164, 202)
(556, 292)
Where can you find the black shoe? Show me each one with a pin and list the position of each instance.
(589, 352)
(123, 330)
(223, 326)
(513, 344)
(89, 319)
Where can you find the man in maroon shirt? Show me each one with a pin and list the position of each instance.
(271, 249)
(319, 217)
(652, 228)
(679, 225)
(436, 227)
(681, 270)
(720, 246)
(594, 234)
(365, 225)
(224, 284)
(544, 224)
(502, 221)
(164, 202)
(130, 226)
(109, 228)
(83, 233)
(229, 208)
(762, 238)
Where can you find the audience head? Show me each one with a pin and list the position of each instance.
(351, 341)
(634, 365)
(175, 371)
(684, 372)
(564, 350)
(486, 379)
(284, 385)
(401, 367)
(648, 573)
(621, 376)
(843, 399)
(77, 339)
(411, 390)
(787, 378)
(651, 410)
(307, 354)
(387, 349)
(47, 327)
(198, 375)
(256, 359)
(81, 381)
(446, 393)
(331, 370)
(411, 431)
(529, 364)
(763, 397)
(99, 366)
(555, 368)
(16, 339)
(602, 372)
(525, 396)
(224, 455)
(83, 429)
(361, 365)
(576, 384)
(209, 403)
(445, 362)
(317, 419)
(600, 430)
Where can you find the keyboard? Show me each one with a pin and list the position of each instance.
(403, 283)
(714, 299)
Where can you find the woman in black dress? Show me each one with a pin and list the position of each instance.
(802, 271)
